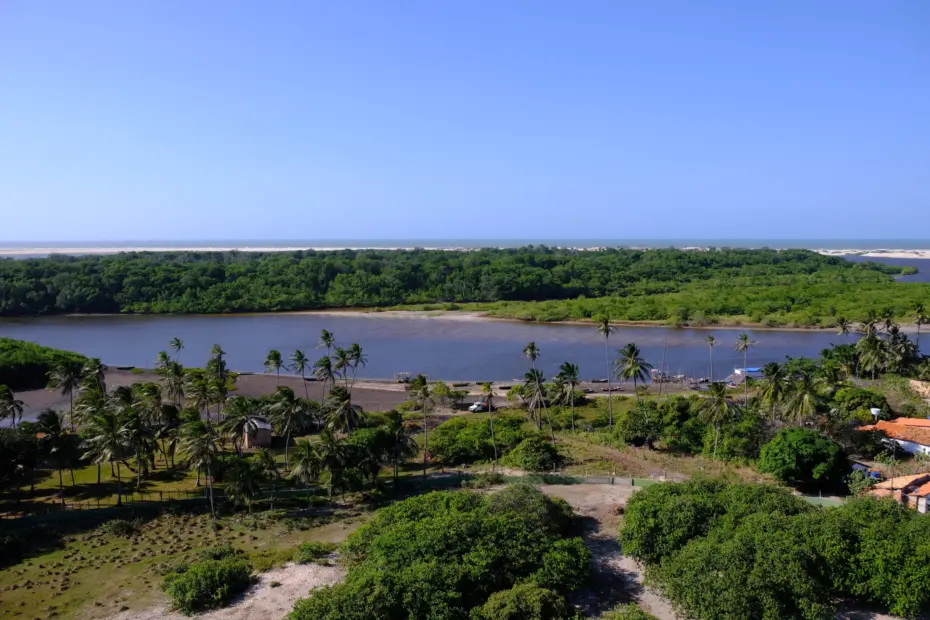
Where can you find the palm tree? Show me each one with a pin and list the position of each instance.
(743, 344)
(871, 350)
(718, 407)
(94, 373)
(418, 388)
(921, 317)
(604, 328)
(774, 380)
(140, 441)
(287, 414)
(843, 326)
(10, 407)
(161, 363)
(307, 465)
(174, 379)
(568, 375)
(105, 442)
(243, 482)
(67, 378)
(711, 343)
(332, 451)
(888, 322)
(803, 398)
(300, 363)
(200, 390)
(342, 363)
(217, 367)
(341, 414)
(268, 468)
(176, 345)
(869, 325)
(242, 415)
(630, 366)
(532, 353)
(323, 372)
(274, 362)
(401, 443)
(358, 358)
(53, 434)
(487, 392)
(199, 445)
(326, 341)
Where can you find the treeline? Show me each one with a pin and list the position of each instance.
(757, 552)
(216, 282)
(26, 365)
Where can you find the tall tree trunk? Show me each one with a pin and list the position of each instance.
(573, 407)
(745, 379)
(210, 491)
(98, 474)
(711, 349)
(119, 484)
(61, 488)
(425, 441)
(71, 408)
(716, 436)
(610, 402)
(138, 470)
(493, 438)
(287, 441)
(306, 389)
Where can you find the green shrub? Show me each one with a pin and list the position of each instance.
(535, 454)
(25, 365)
(526, 601)
(121, 528)
(627, 612)
(219, 552)
(207, 584)
(803, 458)
(483, 480)
(310, 552)
(463, 440)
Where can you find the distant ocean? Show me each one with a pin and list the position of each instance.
(44, 248)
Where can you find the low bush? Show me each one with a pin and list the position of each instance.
(207, 584)
(526, 601)
(460, 440)
(535, 454)
(803, 458)
(121, 528)
(627, 612)
(310, 552)
(483, 480)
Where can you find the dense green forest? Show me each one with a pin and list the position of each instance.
(26, 366)
(662, 285)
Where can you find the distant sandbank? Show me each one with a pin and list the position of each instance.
(878, 253)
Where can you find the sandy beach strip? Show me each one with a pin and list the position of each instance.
(890, 253)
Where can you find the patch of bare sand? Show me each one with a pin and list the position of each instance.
(617, 578)
(262, 600)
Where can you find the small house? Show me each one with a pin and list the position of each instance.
(912, 491)
(257, 434)
(910, 434)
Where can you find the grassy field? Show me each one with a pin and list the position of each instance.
(93, 573)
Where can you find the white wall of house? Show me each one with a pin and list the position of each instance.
(912, 448)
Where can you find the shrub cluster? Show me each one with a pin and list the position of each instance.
(310, 552)
(457, 554)
(211, 582)
(535, 454)
(756, 552)
(25, 365)
(458, 441)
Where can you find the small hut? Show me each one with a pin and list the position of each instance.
(257, 434)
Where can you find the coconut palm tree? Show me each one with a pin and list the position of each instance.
(631, 366)
(921, 317)
(604, 328)
(174, 380)
(743, 344)
(161, 363)
(843, 326)
(358, 359)
(201, 391)
(333, 455)
(307, 465)
(327, 341)
(219, 375)
(568, 376)
(532, 353)
(888, 322)
(718, 408)
(774, 386)
(199, 444)
(53, 433)
(342, 364)
(10, 407)
(105, 442)
(243, 414)
(323, 372)
(341, 414)
(140, 440)
(871, 350)
(401, 444)
(94, 372)
(287, 413)
(300, 363)
(487, 393)
(67, 378)
(274, 362)
(177, 345)
(268, 468)
(803, 398)
(711, 343)
(869, 325)
(243, 482)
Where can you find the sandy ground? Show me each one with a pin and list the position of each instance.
(890, 253)
(263, 600)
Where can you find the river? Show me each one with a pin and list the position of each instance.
(442, 347)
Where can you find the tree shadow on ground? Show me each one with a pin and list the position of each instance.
(609, 585)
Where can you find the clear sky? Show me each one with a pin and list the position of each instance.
(209, 119)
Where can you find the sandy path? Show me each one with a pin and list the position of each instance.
(262, 600)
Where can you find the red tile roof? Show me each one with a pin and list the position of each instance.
(907, 429)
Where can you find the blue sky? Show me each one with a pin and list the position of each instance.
(172, 119)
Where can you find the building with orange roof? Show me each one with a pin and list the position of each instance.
(911, 434)
(912, 491)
